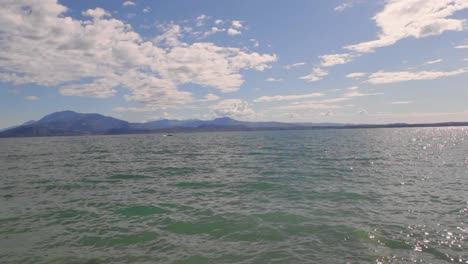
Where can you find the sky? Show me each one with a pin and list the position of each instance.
(346, 61)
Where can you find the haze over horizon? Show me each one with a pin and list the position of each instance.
(355, 61)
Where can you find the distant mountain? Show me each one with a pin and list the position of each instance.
(24, 124)
(68, 123)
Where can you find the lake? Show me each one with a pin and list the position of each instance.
(316, 196)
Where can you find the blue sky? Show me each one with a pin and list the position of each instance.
(353, 61)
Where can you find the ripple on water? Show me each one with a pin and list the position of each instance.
(118, 240)
(141, 210)
(129, 177)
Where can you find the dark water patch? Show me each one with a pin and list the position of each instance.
(119, 240)
(63, 187)
(9, 219)
(41, 181)
(129, 177)
(199, 185)
(95, 181)
(113, 161)
(67, 216)
(259, 186)
(141, 210)
(170, 171)
(216, 226)
(281, 217)
(8, 196)
(149, 191)
(344, 196)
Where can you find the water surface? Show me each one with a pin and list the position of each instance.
(322, 196)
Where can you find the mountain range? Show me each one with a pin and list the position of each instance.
(69, 123)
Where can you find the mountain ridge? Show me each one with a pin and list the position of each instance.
(70, 123)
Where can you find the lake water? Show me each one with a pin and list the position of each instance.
(320, 196)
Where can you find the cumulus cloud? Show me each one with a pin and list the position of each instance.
(235, 108)
(236, 24)
(233, 32)
(342, 7)
(316, 75)
(96, 57)
(402, 19)
(382, 77)
(96, 13)
(461, 47)
(213, 30)
(294, 65)
(329, 60)
(201, 20)
(128, 3)
(287, 97)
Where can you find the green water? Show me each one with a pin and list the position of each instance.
(325, 196)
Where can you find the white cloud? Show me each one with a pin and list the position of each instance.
(171, 36)
(271, 79)
(209, 65)
(236, 24)
(210, 97)
(329, 60)
(329, 103)
(96, 13)
(213, 30)
(31, 98)
(235, 108)
(201, 20)
(95, 57)
(146, 10)
(402, 19)
(433, 61)
(403, 76)
(343, 6)
(353, 88)
(255, 42)
(287, 97)
(308, 106)
(316, 75)
(233, 32)
(401, 102)
(356, 75)
(294, 65)
(461, 47)
(355, 93)
(128, 3)
(218, 22)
